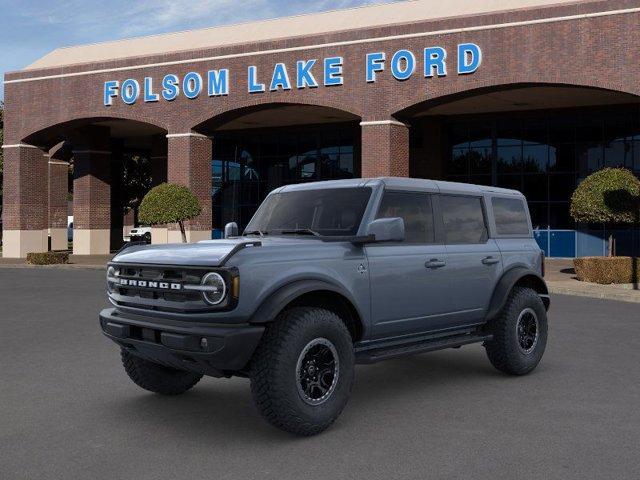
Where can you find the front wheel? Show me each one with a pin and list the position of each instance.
(519, 333)
(303, 370)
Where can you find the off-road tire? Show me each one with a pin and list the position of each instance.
(274, 374)
(503, 350)
(157, 378)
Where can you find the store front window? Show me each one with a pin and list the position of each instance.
(248, 164)
(543, 154)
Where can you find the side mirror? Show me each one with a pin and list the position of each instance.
(386, 229)
(231, 230)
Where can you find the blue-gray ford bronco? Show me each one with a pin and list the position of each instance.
(327, 275)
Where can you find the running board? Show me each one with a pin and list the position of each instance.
(385, 353)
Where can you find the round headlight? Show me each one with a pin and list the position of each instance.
(216, 289)
(111, 272)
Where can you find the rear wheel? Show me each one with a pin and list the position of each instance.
(519, 333)
(302, 371)
(157, 378)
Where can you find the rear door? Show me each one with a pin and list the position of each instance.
(474, 263)
(408, 289)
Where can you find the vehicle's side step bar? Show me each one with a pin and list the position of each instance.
(430, 345)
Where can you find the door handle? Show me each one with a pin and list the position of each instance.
(435, 263)
(490, 260)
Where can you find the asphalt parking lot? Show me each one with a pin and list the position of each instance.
(67, 409)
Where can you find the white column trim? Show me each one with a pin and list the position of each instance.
(383, 122)
(58, 162)
(189, 134)
(21, 145)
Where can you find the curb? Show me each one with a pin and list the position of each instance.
(69, 266)
(616, 296)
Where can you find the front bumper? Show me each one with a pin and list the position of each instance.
(210, 349)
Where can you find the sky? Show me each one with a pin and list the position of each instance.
(30, 29)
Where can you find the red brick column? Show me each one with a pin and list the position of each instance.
(92, 192)
(24, 200)
(189, 164)
(385, 149)
(58, 189)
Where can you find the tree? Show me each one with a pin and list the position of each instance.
(169, 203)
(136, 182)
(609, 196)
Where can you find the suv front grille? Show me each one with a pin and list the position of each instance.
(154, 288)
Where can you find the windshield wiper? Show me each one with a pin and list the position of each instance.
(300, 231)
(256, 232)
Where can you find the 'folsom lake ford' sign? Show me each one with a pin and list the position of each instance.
(307, 74)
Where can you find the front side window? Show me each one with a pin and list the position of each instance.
(415, 209)
(463, 219)
(326, 212)
(510, 215)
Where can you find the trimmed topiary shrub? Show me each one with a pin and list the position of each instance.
(48, 258)
(607, 270)
(169, 203)
(609, 196)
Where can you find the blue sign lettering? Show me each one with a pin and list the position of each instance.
(304, 77)
(280, 78)
(170, 87)
(333, 71)
(469, 58)
(375, 63)
(216, 83)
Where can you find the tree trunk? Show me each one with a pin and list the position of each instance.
(610, 253)
(184, 235)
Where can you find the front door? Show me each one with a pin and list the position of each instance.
(408, 286)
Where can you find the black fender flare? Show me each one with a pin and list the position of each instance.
(506, 283)
(280, 298)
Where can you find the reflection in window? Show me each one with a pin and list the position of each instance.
(249, 164)
(463, 219)
(416, 212)
(544, 154)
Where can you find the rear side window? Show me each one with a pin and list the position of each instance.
(463, 219)
(510, 215)
(415, 209)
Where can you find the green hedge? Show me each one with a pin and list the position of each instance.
(48, 258)
(607, 270)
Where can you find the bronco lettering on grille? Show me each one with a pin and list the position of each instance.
(147, 284)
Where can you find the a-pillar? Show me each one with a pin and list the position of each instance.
(92, 192)
(58, 191)
(159, 233)
(189, 164)
(385, 149)
(24, 200)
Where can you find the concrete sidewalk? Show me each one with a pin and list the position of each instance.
(561, 278)
(92, 262)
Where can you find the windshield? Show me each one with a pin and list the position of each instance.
(325, 212)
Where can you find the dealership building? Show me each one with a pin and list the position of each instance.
(527, 94)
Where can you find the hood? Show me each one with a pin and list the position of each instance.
(209, 253)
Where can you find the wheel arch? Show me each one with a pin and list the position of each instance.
(516, 277)
(313, 293)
